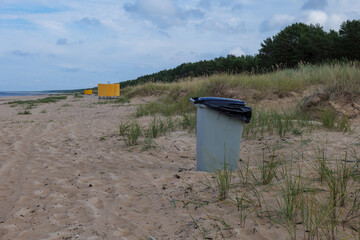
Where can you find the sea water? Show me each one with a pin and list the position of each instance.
(24, 93)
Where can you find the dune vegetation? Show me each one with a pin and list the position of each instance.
(323, 93)
(26, 105)
(312, 193)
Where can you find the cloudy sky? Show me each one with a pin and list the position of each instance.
(69, 44)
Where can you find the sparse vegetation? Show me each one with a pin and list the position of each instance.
(133, 133)
(121, 99)
(253, 88)
(188, 121)
(307, 206)
(78, 95)
(222, 179)
(312, 196)
(30, 104)
(268, 169)
(289, 199)
(276, 122)
(25, 111)
(158, 127)
(50, 99)
(123, 127)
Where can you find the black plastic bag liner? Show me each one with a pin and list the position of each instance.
(230, 107)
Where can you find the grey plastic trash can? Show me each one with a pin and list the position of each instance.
(219, 132)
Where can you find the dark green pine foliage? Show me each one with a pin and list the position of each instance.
(350, 39)
(230, 64)
(296, 43)
(266, 55)
(335, 50)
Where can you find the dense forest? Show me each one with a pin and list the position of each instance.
(298, 43)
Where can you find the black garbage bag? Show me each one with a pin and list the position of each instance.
(230, 107)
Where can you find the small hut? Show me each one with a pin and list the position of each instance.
(106, 91)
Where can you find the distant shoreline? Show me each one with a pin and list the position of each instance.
(28, 93)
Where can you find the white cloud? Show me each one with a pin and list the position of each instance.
(326, 20)
(237, 51)
(277, 21)
(221, 27)
(282, 19)
(335, 20)
(316, 17)
(51, 25)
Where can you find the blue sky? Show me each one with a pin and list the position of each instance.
(51, 45)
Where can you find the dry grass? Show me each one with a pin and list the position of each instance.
(313, 194)
(335, 81)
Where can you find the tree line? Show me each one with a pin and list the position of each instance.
(296, 43)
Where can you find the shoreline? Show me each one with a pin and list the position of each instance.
(31, 93)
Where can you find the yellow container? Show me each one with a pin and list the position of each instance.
(88, 92)
(109, 90)
(116, 89)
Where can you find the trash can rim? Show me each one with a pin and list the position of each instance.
(233, 108)
(197, 99)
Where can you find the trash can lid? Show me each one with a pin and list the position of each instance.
(230, 107)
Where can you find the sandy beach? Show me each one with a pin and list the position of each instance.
(66, 173)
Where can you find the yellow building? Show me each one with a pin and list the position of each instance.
(88, 92)
(108, 90)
